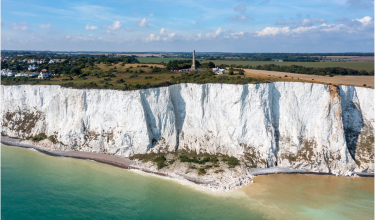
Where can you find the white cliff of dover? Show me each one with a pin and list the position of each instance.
(285, 124)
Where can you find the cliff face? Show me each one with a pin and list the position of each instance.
(300, 125)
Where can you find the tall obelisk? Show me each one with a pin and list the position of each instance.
(193, 67)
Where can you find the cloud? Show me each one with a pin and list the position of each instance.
(151, 15)
(240, 8)
(365, 20)
(318, 20)
(115, 26)
(239, 18)
(215, 34)
(90, 35)
(272, 31)
(92, 28)
(162, 31)
(163, 36)
(113, 29)
(302, 23)
(67, 37)
(142, 22)
(44, 26)
(360, 3)
(362, 25)
(22, 26)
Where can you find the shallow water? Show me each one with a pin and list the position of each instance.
(38, 186)
(297, 196)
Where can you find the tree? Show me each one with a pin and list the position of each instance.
(75, 71)
(211, 65)
(230, 71)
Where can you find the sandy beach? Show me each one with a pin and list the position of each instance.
(230, 182)
(113, 160)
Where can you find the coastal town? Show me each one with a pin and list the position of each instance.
(30, 64)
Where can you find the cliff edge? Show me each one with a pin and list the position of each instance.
(306, 126)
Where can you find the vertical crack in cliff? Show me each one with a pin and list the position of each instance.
(352, 120)
(275, 117)
(147, 111)
(179, 110)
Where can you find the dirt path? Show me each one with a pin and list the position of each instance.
(339, 80)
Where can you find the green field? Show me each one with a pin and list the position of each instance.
(159, 60)
(368, 66)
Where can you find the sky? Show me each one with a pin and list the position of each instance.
(252, 26)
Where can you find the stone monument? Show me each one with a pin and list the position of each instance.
(193, 67)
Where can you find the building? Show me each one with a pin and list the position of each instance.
(218, 71)
(32, 67)
(279, 61)
(41, 61)
(32, 74)
(51, 61)
(32, 61)
(7, 72)
(4, 72)
(44, 74)
(193, 67)
(21, 74)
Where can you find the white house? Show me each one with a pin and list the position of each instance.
(218, 71)
(32, 61)
(32, 67)
(44, 74)
(32, 74)
(21, 74)
(7, 72)
(51, 61)
(41, 61)
(10, 73)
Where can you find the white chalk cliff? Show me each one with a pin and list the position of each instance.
(285, 124)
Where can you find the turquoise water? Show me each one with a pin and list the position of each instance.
(37, 186)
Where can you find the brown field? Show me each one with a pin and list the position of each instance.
(104, 67)
(359, 59)
(337, 80)
(353, 58)
(138, 55)
(120, 54)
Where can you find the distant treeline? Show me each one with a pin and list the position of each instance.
(313, 70)
(288, 57)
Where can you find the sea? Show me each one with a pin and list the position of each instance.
(38, 186)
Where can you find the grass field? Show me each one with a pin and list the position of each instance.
(122, 77)
(159, 60)
(368, 66)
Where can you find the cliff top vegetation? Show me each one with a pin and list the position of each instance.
(126, 73)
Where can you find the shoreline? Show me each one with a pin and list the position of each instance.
(125, 163)
(97, 157)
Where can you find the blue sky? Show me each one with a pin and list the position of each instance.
(176, 25)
